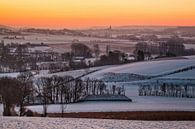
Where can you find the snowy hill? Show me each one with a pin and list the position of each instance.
(147, 68)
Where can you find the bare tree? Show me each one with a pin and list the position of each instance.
(26, 89)
(44, 91)
(9, 90)
(96, 50)
(79, 49)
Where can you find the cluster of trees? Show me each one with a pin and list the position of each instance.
(165, 89)
(16, 91)
(113, 57)
(61, 90)
(24, 90)
(10, 61)
(18, 58)
(21, 91)
(82, 50)
(98, 87)
(79, 49)
(172, 47)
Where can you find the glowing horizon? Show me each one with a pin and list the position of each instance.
(85, 13)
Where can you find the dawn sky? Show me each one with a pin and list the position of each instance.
(84, 13)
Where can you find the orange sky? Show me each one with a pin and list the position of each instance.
(84, 13)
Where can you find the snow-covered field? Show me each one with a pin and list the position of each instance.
(52, 39)
(140, 103)
(9, 74)
(189, 46)
(183, 75)
(73, 73)
(147, 67)
(74, 123)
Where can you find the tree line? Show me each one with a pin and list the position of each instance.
(167, 89)
(169, 48)
(27, 90)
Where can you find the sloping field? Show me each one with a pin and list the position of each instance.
(183, 75)
(148, 68)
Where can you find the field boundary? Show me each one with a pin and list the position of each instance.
(131, 115)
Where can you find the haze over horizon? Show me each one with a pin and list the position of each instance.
(82, 14)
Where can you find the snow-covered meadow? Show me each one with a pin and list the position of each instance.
(75, 123)
(140, 103)
(148, 67)
(73, 73)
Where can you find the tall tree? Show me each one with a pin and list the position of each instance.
(79, 49)
(96, 50)
(9, 90)
(26, 90)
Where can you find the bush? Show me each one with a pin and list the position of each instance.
(29, 113)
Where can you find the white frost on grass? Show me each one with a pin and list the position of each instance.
(75, 123)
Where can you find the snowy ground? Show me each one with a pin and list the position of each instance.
(183, 75)
(9, 74)
(74, 123)
(73, 73)
(147, 67)
(140, 103)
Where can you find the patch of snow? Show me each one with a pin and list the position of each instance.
(9, 74)
(40, 48)
(189, 46)
(1, 109)
(190, 57)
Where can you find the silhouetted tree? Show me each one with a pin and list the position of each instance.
(140, 55)
(10, 92)
(96, 50)
(174, 46)
(26, 90)
(79, 49)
